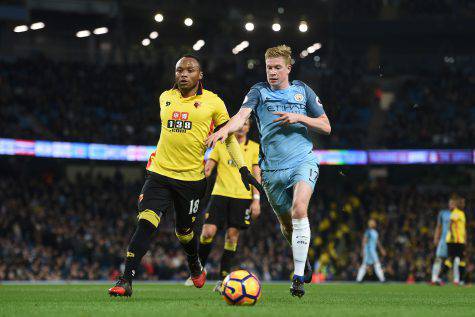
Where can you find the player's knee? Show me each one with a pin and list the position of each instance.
(232, 235)
(299, 210)
(185, 235)
(150, 216)
(208, 233)
(231, 241)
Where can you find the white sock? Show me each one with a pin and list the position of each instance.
(300, 244)
(457, 270)
(379, 271)
(361, 273)
(436, 269)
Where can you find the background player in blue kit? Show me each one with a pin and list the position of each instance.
(370, 254)
(285, 112)
(443, 223)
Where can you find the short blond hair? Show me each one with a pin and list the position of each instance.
(280, 51)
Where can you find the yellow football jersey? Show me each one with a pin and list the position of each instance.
(186, 123)
(228, 181)
(456, 233)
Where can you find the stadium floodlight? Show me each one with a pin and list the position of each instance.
(276, 27)
(153, 35)
(159, 17)
(303, 26)
(188, 21)
(249, 26)
(146, 42)
(37, 26)
(304, 54)
(20, 28)
(241, 46)
(83, 33)
(198, 45)
(102, 30)
(314, 47)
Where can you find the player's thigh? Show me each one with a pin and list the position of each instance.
(278, 191)
(307, 173)
(186, 199)
(239, 213)
(155, 198)
(217, 211)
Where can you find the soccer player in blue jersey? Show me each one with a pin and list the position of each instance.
(285, 112)
(443, 223)
(370, 254)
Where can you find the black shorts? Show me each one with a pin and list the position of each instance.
(227, 212)
(161, 194)
(456, 250)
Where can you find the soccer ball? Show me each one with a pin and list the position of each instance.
(241, 288)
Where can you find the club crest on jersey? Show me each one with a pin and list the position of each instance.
(298, 97)
(167, 103)
(197, 104)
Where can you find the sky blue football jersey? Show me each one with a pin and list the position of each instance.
(289, 145)
(372, 240)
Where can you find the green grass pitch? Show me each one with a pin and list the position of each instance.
(177, 300)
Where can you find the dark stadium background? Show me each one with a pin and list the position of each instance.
(392, 74)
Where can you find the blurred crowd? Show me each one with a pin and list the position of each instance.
(52, 228)
(118, 104)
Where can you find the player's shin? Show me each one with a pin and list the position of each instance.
(206, 244)
(456, 271)
(361, 273)
(436, 269)
(138, 246)
(379, 271)
(227, 258)
(189, 242)
(462, 266)
(300, 244)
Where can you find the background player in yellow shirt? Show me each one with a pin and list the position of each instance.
(231, 205)
(175, 171)
(456, 239)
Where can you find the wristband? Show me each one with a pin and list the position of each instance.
(256, 197)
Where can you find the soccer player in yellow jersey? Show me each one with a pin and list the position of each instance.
(175, 171)
(231, 205)
(456, 239)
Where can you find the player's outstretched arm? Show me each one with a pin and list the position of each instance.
(256, 204)
(320, 124)
(233, 125)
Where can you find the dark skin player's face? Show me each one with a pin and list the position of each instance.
(187, 74)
